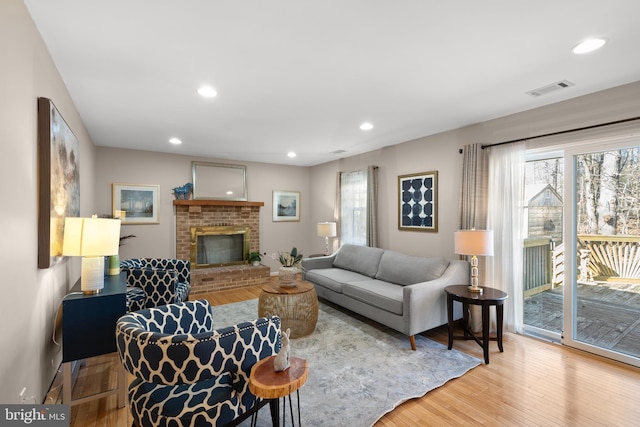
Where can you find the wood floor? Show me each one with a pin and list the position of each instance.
(533, 383)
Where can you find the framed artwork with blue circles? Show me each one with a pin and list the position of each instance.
(418, 202)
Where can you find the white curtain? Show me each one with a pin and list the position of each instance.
(506, 219)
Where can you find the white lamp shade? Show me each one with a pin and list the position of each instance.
(474, 242)
(327, 229)
(91, 237)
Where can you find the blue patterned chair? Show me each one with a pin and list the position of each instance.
(186, 372)
(156, 281)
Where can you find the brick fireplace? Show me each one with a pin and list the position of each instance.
(205, 213)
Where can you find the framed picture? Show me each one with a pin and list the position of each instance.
(137, 203)
(286, 205)
(418, 202)
(58, 181)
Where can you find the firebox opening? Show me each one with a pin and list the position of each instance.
(216, 246)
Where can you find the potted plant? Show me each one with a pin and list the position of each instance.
(255, 258)
(288, 271)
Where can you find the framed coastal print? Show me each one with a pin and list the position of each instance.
(58, 181)
(286, 206)
(136, 203)
(418, 202)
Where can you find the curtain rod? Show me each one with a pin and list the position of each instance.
(561, 132)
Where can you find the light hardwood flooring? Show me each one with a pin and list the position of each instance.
(533, 383)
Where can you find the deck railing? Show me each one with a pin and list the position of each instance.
(537, 264)
(612, 258)
(599, 258)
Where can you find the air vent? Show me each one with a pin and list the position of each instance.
(338, 151)
(563, 84)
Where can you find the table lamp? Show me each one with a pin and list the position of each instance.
(475, 243)
(326, 230)
(92, 239)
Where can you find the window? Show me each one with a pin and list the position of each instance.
(353, 208)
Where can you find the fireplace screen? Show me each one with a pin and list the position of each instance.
(216, 246)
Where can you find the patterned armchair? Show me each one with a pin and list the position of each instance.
(156, 281)
(186, 372)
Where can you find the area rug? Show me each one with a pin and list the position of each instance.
(358, 370)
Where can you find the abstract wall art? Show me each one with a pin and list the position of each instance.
(58, 181)
(418, 202)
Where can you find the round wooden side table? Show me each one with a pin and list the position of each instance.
(489, 297)
(266, 383)
(297, 307)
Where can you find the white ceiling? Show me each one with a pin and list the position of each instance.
(303, 75)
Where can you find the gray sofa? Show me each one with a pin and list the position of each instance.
(403, 292)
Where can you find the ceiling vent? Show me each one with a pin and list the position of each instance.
(562, 84)
(338, 151)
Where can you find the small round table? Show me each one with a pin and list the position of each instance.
(297, 307)
(486, 299)
(266, 383)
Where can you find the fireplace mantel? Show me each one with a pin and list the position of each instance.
(182, 202)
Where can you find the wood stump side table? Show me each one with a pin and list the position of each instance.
(266, 383)
(297, 307)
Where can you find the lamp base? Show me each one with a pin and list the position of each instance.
(475, 289)
(92, 280)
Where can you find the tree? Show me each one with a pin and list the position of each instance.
(607, 209)
(598, 200)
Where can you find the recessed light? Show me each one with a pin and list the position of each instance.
(366, 126)
(291, 154)
(207, 92)
(175, 141)
(588, 45)
(229, 193)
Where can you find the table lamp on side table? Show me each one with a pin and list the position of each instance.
(92, 239)
(475, 243)
(326, 230)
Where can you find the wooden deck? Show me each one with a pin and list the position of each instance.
(608, 315)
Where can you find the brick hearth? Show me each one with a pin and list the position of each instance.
(198, 213)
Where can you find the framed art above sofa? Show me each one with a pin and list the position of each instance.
(418, 201)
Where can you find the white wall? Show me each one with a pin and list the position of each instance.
(440, 152)
(172, 170)
(30, 297)
(317, 184)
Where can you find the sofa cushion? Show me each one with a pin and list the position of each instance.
(379, 294)
(333, 278)
(405, 270)
(361, 259)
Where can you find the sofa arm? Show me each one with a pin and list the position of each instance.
(316, 263)
(425, 303)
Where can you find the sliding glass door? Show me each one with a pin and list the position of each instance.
(604, 297)
(582, 253)
(543, 274)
